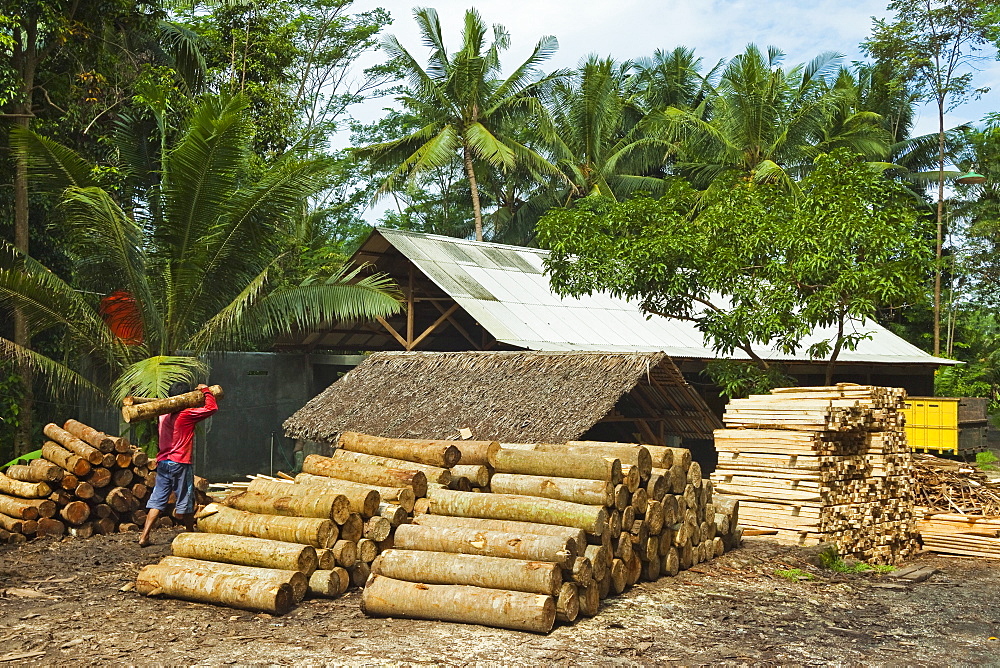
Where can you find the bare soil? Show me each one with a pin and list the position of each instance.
(61, 602)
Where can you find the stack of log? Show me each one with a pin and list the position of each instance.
(563, 527)
(822, 464)
(86, 482)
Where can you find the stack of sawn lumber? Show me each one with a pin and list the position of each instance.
(822, 464)
(964, 535)
(85, 483)
(563, 527)
(345, 508)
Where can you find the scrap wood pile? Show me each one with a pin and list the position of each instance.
(822, 464)
(562, 527)
(85, 483)
(960, 507)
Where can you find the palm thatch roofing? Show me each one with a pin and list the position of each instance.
(512, 396)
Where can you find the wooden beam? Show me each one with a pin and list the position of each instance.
(429, 330)
(461, 330)
(392, 331)
(410, 307)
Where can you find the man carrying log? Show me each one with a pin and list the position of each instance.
(174, 470)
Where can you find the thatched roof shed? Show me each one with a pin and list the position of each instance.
(516, 396)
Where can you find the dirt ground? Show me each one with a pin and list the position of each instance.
(60, 602)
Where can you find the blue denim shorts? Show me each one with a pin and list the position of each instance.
(177, 478)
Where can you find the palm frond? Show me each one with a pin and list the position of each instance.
(153, 376)
(50, 164)
(59, 379)
(488, 147)
(183, 46)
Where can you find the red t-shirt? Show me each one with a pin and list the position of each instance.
(177, 430)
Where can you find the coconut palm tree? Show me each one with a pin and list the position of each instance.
(192, 263)
(767, 122)
(464, 106)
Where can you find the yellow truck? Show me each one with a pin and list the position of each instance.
(946, 425)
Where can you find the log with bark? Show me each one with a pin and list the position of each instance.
(366, 473)
(203, 585)
(468, 569)
(444, 454)
(533, 547)
(388, 597)
(246, 551)
(434, 474)
(216, 518)
(592, 519)
(152, 409)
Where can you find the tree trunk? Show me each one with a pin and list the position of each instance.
(273, 497)
(306, 530)
(377, 528)
(152, 409)
(445, 568)
(28, 490)
(367, 550)
(599, 557)
(44, 471)
(386, 597)
(246, 551)
(590, 600)
(363, 473)
(443, 454)
(634, 455)
(50, 527)
(939, 243)
(478, 475)
(345, 553)
(557, 464)
(592, 519)
(577, 490)
(434, 474)
(91, 436)
(329, 583)
(359, 573)
(70, 462)
(99, 477)
(26, 509)
(298, 580)
(533, 547)
(579, 536)
(396, 514)
(470, 172)
(196, 583)
(831, 365)
(73, 444)
(353, 528)
(567, 604)
(363, 499)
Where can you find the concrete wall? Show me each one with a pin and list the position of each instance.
(245, 436)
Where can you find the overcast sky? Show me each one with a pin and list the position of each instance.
(629, 29)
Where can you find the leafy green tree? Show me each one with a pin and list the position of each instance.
(934, 43)
(674, 79)
(754, 265)
(196, 263)
(464, 106)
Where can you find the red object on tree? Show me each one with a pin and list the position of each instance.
(121, 315)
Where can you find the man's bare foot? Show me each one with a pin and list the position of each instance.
(145, 542)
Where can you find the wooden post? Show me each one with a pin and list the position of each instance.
(576, 490)
(557, 464)
(375, 475)
(434, 473)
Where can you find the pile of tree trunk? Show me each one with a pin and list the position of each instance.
(563, 527)
(822, 464)
(85, 483)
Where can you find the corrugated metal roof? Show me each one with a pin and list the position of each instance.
(505, 289)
